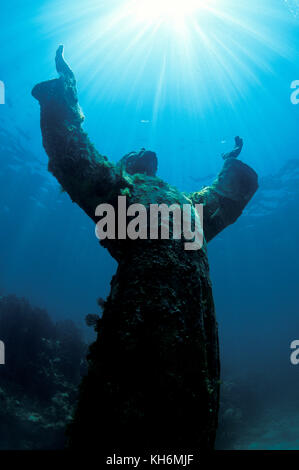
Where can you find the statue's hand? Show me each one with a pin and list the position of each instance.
(236, 151)
(62, 67)
(239, 143)
(60, 94)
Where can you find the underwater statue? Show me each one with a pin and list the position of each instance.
(154, 376)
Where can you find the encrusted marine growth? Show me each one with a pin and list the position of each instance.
(153, 378)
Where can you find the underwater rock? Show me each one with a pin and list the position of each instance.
(44, 365)
(153, 378)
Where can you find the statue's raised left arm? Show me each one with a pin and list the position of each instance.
(86, 175)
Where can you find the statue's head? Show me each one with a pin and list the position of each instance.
(144, 161)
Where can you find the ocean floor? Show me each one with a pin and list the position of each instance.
(274, 430)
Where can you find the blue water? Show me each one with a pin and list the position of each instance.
(183, 88)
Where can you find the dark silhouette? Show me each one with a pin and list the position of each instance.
(44, 363)
(153, 378)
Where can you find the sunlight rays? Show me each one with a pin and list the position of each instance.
(177, 44)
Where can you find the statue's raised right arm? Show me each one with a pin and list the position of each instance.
(226, 198)
(86, 175)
